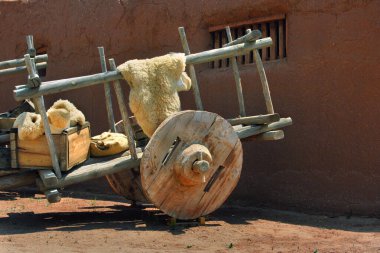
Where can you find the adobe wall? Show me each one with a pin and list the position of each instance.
(329, 84)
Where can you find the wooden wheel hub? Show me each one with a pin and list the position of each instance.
(191, 164)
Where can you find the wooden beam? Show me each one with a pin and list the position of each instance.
(96, 168)
(193, 76)
(255, 120)
(107, 92)
(237, 78)
(264, 81)
(124, 113)
(56, 86)
(248, 131)
(33, 77)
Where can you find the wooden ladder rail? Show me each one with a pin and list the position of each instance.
(107, 92)
(23, 92)
(193, 77)
(18, 65)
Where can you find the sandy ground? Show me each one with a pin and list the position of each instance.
(94, 223)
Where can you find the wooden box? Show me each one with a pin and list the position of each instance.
(72, 147)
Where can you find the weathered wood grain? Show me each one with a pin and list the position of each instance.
(166, 177)
(249, 37)
(237, 78)
(21, 62)
(247, 131)
(255, 120)
(107, 92)
(193, 76)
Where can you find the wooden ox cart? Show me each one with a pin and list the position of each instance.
(187, 168)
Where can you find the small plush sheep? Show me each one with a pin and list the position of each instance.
(30, 126)
(57, 114)
(59, 120)
(154, 85)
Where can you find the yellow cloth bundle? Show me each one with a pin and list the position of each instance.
(107, 144)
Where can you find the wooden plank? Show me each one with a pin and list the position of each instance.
(273, 35)
(264, 54)
(14, 181)
(223, 41)
(247, 131)
(56, 86)
(247, 22)
(5, 158)
(21, 62)
(4, 138)
(72, 148)
(107, 92)
(6, 123)
(13, 148)
(281, 39)
(78, 145)
(124, 113)
(255, 120)
(193, 77)
(237, 78)
(97, 168)
(264, 82)
(267, 136)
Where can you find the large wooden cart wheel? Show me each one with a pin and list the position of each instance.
(191, 164)
(127, 184)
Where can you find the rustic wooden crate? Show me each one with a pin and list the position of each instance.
(72, 148)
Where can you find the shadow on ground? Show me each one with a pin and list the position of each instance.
(125, 217)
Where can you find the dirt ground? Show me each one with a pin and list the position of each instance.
(99, 223)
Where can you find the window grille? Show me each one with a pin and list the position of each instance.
(274, 27)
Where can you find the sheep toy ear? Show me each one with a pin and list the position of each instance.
(184, 82)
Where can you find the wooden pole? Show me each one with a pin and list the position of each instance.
(248, 131)
(21, 62)
(124, 112)
(97, 170)
(56, 86)
(263, 79)
(194, 82)
(33, 78)
(249, 37)
(14, 70)
(107, 92)
(235, 69)
(31, 50)
(40, 106)
(255, 120)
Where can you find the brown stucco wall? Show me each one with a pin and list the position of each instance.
(329, 84)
